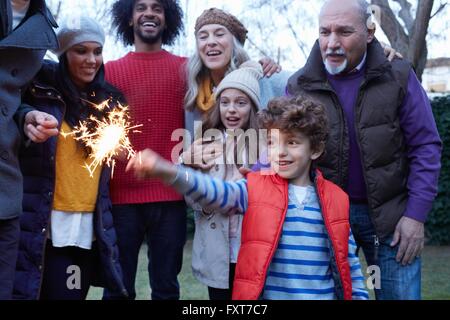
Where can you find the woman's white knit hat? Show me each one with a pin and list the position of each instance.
(77, 30)
(246, 79)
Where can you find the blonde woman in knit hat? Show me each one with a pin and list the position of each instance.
(220, 38)
(67, 237)
(217, 235)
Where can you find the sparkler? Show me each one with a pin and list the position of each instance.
(108, 139)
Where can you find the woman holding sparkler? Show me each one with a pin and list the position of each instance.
(68, 242)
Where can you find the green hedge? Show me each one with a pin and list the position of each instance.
(438, 224)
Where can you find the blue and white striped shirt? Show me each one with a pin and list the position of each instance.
(300, 268)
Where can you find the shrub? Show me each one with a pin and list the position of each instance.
(438, 224)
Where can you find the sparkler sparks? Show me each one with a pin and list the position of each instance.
(108, 139)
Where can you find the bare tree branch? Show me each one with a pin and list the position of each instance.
(297, 38)
(412, 46)
(260, 50)
(58, 10)
(392, 28)
(439, 10)
(55, 8)
(418, 40)
(405, 15)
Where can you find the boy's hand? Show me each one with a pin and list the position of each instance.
(149, 164)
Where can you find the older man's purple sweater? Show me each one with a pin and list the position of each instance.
(421, 137)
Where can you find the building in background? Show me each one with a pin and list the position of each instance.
(436, 77)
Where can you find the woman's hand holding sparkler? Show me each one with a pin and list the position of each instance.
(149, 164)
(39, 126)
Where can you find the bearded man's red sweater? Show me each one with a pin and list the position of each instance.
(154, 85)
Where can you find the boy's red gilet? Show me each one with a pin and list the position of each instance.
(263, 223)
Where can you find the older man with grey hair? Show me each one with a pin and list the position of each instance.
(383, 148)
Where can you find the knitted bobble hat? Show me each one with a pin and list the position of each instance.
(78, 30)
(217, 16)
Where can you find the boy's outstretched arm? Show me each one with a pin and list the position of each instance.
(359, 291)
(210, 193)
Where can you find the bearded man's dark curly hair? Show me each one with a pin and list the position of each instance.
(122, 13)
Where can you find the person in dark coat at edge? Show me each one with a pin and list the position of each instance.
(25, 35)
(68, 242)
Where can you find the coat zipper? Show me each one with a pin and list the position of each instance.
(48, 226)
(342, 119)
(42, 265)
(376, 243)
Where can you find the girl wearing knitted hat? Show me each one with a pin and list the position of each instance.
(217, 235)
(220, 39)
(67, 238)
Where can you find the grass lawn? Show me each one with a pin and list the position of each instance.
(435, 276)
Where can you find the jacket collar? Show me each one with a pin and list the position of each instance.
(315, 175)
(313, 74)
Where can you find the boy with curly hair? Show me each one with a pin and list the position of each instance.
(296, 240)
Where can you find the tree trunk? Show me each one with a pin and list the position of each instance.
(422, 63)
(411, 45)
(418, 37)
